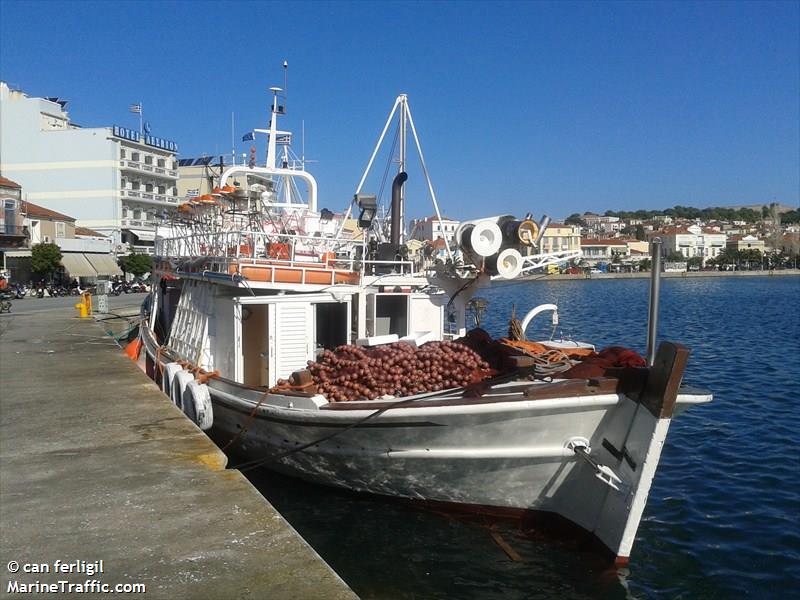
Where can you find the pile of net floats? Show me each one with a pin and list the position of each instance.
(397, 369)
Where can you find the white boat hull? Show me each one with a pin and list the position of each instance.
(512, 456)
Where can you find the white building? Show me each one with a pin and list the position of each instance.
(692, 241)
(560, 236)
(111, 179)
(602, 225)
(745, 242)
(430, 228)
(597, 251)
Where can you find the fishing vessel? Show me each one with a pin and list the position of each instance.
(316, 344)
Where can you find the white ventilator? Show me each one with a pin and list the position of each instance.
(483, 238)
(509, 263)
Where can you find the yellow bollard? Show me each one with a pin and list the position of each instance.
(85, 306)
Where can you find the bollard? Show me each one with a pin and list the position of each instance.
(85, 306)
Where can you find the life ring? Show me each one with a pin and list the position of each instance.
(180, 381)
(167, 375)
(197, 405)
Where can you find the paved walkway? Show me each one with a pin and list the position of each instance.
(95, 464)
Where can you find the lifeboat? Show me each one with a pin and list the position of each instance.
(296, 272)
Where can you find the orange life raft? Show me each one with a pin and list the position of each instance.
(301, 273)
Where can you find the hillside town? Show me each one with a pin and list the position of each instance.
(96, 195)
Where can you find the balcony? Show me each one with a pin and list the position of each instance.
(12, 236)
(149, 197)
(9, 230)
(140, 167)
(140, 223)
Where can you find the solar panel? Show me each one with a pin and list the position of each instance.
(204, 160)
(185, 162)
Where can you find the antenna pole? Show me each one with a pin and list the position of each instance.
(403, 133)
(233, 142)
(285, 85)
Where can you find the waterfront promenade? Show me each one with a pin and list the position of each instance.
(646, 275)
(96, 465)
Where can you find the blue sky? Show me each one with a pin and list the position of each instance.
(541, 107)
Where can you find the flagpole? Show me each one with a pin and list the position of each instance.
(141, 118)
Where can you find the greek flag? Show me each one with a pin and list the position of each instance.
(136, 108)
(247, 137)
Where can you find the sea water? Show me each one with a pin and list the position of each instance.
(723, 516)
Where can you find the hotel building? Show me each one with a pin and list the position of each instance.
(113, 180)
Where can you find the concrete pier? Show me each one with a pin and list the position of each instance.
(96, 465)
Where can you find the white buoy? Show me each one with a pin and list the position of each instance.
(509, 263)
(197, 404)
(167, 375)
(178, 387)
(485, 238)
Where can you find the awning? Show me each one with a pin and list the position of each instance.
(76, 265)
(144, 235)
(17, 253)
(104, 264)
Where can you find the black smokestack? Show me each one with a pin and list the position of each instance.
(397, 226)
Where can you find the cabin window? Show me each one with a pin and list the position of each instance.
(331, 325)
(391, 315)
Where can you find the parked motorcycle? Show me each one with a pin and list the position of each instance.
(119, 287)
(20, 291)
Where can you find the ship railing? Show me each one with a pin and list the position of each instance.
(244, 243)
(222, 249)
(534, 262)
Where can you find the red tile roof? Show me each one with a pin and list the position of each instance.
(606, 242)
(672, 231)
(8, 183)
(87, 231)
(34, 210)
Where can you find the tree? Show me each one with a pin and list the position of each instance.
(640, 234)
(644, 264)
(695, 261)
(750, 256)
(675, 256)
(136, 264)
(574, 219)
(45, 259)
(792, 216)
